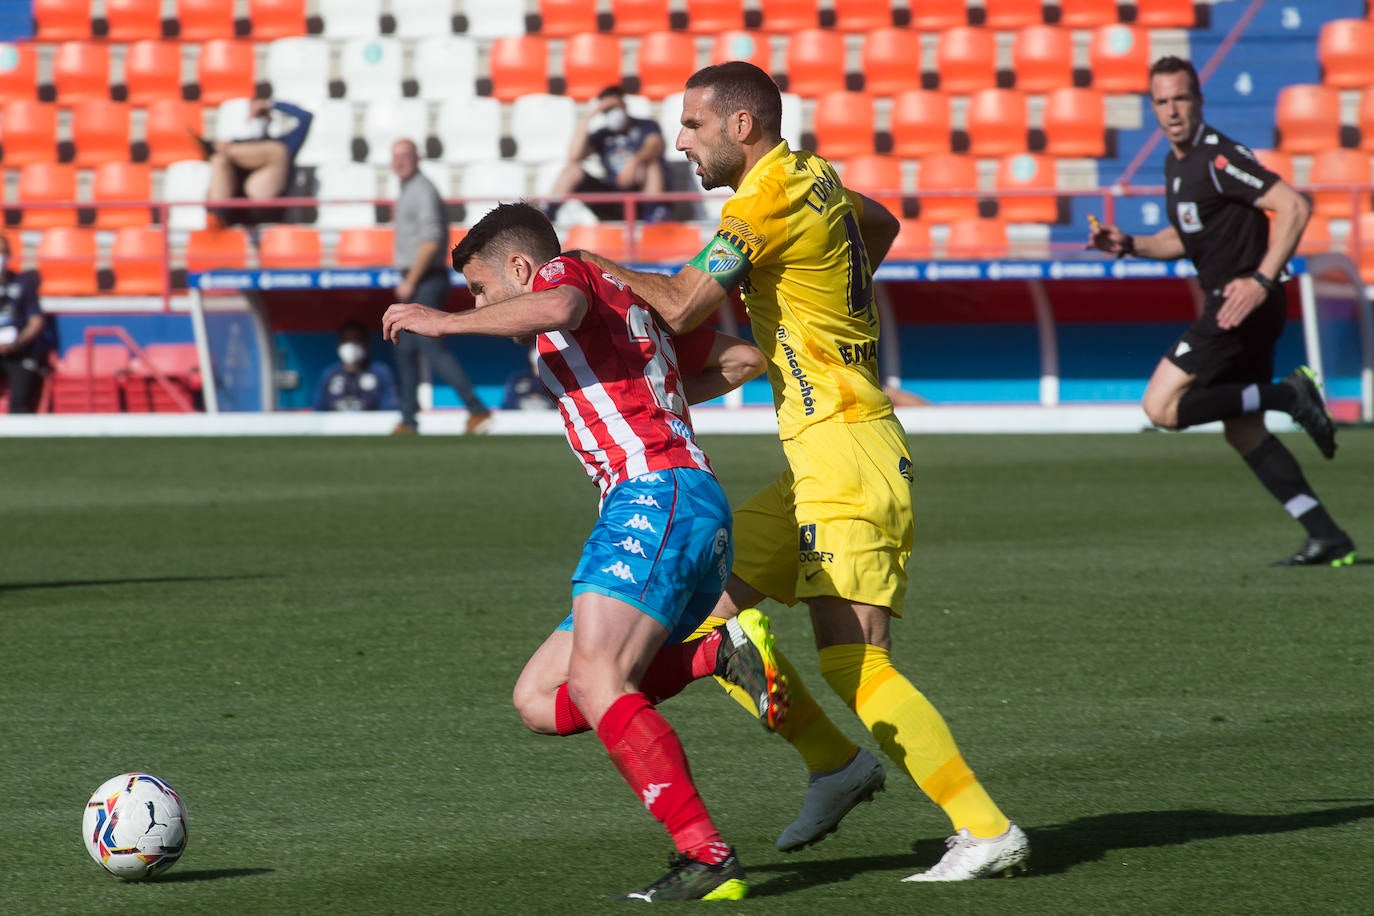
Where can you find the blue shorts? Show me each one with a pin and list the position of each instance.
(662, 544)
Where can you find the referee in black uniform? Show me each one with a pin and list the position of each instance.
(1222, 368)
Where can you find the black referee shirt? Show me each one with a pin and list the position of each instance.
(1211, 194)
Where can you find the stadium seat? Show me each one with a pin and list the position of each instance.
(289, 247)
(1012, 14)
(133, 20)
(29, 132)
(789, 16)
(485, 183)
(1345, 48)
(1308, 118)
(843, 123)
(669, 242)
(966, 59)
(639, 17)
(750, 46)
(1364, 118)
(920, 123)
(947, 172)
(18, 72)
(664, 61)
(938, 15)
(298, 68)
(912, 242)
(976, 239)
(170, 131)
(346, 181)
(350, 18)
(564, 18)
(1316, 238)
(225, 70)
(495, 20)
(891, 60)
(152, 70)
(470, 129)
(998, 123)
(712, 17)
(46, 182)
(81, 70)
(1087, 14)
(100, 132)
(421, 18)
(138, 261)
(203, 20)
(543, 127)
(1119, 58)
(876, 176)
(186, 183)
(591, 62)
(1023, 172)
(216, 249)
(1075, 123)
(1340, 167)
(1042, 58)
(371, 68)
(370, 247)
(273, 19)
(1165, 14)
(387, 122)
(61, 20)
(519, 66)
(445, 66)
(862, 15)
(606, 239)
(122, 181)
(66, 262)
(1281, 164)
(815, 62)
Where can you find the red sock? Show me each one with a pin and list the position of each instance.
(646, 751)
(674, 667)
(567, 718)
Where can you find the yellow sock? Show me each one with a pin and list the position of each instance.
(913, 733)
(822, 746)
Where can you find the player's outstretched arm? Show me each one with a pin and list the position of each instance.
(1164, 245)
(731, 363)
(558, 309)
(683, 300)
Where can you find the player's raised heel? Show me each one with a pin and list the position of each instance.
(830, 797)
(688, 879)
(748, 659)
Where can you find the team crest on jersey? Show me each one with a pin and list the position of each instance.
(806, 537)
(552, 271)
(1188, 218)
(722, 259)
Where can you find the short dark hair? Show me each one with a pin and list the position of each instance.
(352, 327)
(1172, 64)
(609, 91)
(739, 85)
(506, 228)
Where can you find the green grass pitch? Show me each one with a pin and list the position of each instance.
(314, 640)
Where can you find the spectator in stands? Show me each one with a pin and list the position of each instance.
(421, 256)
(25, 335)
(630, 151)
(255, 164)
(355, 382)
(524, 390)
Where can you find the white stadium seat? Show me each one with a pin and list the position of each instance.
(187, 180)
(470, 129)
(346, 181)
(398, 119)
(489, 183)
(298, 68)
(495, 18)
(445, 66)
(351, 18)
(542, 126)
(422, 18)
(371, 68)
(331, 133)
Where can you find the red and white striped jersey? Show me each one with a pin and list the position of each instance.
(616, 381)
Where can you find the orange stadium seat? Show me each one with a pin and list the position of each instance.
(289, 246)
(152, 70)
(790, 15)
(212, 249)
(975, 239)
(711, 17)
(1364, 255)
(606, 239)
(170, 131)
(120, 181)
(1087, 14)
(100, 131)
(741, 45)
(1042, 58)
(1345, 48)
(364, 247)
(920, 123)
(876, 176)
(912, 242)
(1024, 172)
(891, 60)
(1281, 164)
(225, 71)
(639, 17)
(1075, 123)
(938, 15)
(665, 60)
(131, 20)
(1012, 14)
(202, 20)
(273, 19)
(47, 182)
(1340, 166)
(81, 70)
(1165, 14)
(29, 134)
(998, 123)
(1365, 119)
(562, 18)
(844, 123)
(947, 171)
(1119, 58)
(815, 62)
(66, 262)
(520, 66)
(966, 59)
(669, 242)
(862, 15)
(1316, 238)
(18, 71)
(591, 62)
(1308, 118)
(61, 20)
(455, 235)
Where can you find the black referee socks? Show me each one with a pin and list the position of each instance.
(1278, 470)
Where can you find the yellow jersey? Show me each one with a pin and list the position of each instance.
(789, 237)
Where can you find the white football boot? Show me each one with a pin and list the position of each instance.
(969, 857)
(829, 797)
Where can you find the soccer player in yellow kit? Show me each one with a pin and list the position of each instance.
(835, 530)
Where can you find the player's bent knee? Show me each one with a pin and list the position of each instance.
(535, 708)
(1161, 414)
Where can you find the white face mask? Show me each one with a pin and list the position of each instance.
(350, 352)
(617, 120)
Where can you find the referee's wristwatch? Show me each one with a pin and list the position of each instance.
(1270, 286)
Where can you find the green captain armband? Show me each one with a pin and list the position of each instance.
(726, 264)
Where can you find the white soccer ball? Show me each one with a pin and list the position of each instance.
(135, 826)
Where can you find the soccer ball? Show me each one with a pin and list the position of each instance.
(135, 826)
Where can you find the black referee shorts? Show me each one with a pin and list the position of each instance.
(1242, 355)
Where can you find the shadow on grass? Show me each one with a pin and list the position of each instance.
(213, 874)
(144, 580)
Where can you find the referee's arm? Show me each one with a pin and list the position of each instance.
(1291, 211)
(1164, 245)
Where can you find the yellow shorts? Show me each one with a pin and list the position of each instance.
(839, 522)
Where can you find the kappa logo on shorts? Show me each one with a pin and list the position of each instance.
(621, 571)
(806, 537)
(632, 545)
(644, 499)
(640, 523)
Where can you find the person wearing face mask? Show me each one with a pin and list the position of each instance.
(630, 152)
(355, 382)
(25, 335)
